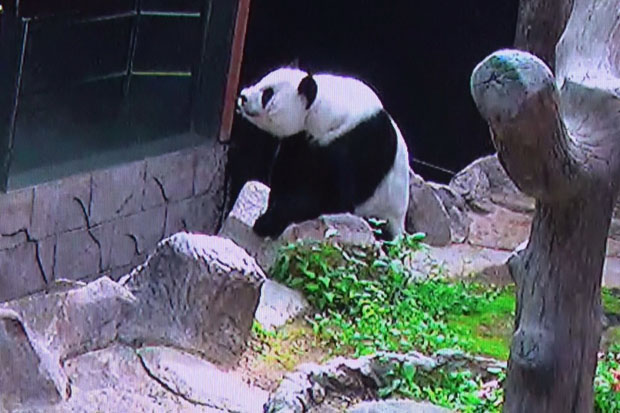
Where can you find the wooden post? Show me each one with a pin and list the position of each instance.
(234, 69)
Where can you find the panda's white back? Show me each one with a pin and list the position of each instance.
(341, 104)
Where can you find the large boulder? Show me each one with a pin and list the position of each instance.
(195, 292)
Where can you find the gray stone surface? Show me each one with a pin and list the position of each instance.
(13, 240)
(201, 382)
(250, 204)
(461, 260)
(210, 164)
(484, 183)
(114, 380)
(200, 214)
(77, 255)
(19, 271)
(100, 222)
(396, 406)
(29, 376)
(457, 210)
(117, 192)
(279, 304)
(46, 254)
(61, 206)
(16, 211)
(196, 292)
(426, 212)
(73, 320)
(169, 177)
(135, 235)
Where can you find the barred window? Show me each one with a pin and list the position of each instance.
(86, 84)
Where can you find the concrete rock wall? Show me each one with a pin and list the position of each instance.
(106, 221)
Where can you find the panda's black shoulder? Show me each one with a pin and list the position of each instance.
(374, 139)
(368, 150)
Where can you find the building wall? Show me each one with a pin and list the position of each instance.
(106, 221)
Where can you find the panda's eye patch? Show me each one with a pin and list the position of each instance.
(267, 95)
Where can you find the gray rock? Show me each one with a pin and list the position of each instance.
(426, 213)
(279, 304)
(201, 382)
(463, 260)
(397, 406)
(29, 375)
(457, 210)
(309, 385)
(114, 379)
(484, 183)
(196, 292)
(73, 318)
(250, 204)
(345, 229)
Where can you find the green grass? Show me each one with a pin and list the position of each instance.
(368, 302)
(490, 327)
(611, 300)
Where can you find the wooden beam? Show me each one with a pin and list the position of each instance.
(234, 69)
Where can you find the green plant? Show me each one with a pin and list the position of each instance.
(607, 381)
(461, 390)
(369, 300)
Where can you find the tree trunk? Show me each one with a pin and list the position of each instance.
(561, 146)
(539, 26)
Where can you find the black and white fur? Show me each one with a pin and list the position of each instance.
(339, 150)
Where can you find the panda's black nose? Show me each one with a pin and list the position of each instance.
(243, 99)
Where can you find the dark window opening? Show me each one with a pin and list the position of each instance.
(107, 81)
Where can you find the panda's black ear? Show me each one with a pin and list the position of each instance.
(294, 64)
(308, 88)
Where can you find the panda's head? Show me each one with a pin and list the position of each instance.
(279, 102)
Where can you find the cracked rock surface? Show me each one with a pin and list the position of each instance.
(101, 346)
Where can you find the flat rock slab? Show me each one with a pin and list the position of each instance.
(279, 304)
(115, 380)
(201, 382)
(463, 260)
(396, 406)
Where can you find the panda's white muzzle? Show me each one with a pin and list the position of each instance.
(243, 106)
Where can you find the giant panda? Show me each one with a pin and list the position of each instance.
(339, 150)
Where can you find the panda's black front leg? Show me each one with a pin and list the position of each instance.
(285, 211)
(269, 224)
